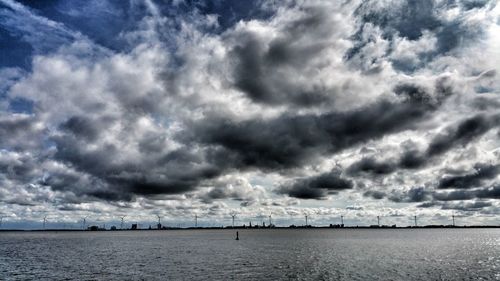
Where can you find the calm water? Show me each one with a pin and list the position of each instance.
(301, 254)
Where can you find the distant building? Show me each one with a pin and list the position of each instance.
(336, 225)
(113, 227)
(134, 226)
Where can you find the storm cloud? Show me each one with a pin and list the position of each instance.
(317, 187)
(290, 141)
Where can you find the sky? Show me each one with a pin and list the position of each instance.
(179, 108)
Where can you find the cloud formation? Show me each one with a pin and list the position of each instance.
(453, 137)
(317, 187)
(259, 106)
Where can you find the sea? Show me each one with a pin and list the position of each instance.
(259, 254)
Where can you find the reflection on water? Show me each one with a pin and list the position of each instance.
(265, 254)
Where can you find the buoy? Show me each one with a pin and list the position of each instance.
(237, 236)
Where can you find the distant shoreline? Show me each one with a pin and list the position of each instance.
(253, 228)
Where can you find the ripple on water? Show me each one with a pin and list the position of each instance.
(278, 254)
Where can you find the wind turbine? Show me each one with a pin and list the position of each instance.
(342, 220)
(453, 218)
(415, 218)
(233, 215)
(84, 222)
(306, 218)
(1, 220)
(195, 220)
(270, 219)
(378, 220)
(121, 223)
(44, 221)
(159, 221)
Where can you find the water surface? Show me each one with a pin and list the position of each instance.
(265, 254)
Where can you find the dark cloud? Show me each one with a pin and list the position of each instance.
(412, 159)
(488, 193)
(415, 194)
(430, 204)
(372, 166)
(482, 172)
(453, 195)
(290, 141)
(155, 173)
(218, 193)
(174, 177)
(259, 78)
(375, 194)
(265, 71)
(443, 89)
(109, 195)
(145, 186)
(316, 187)
(492, 192)
(464, 133)
(79, 187)
(459, 135)
(82, 126)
